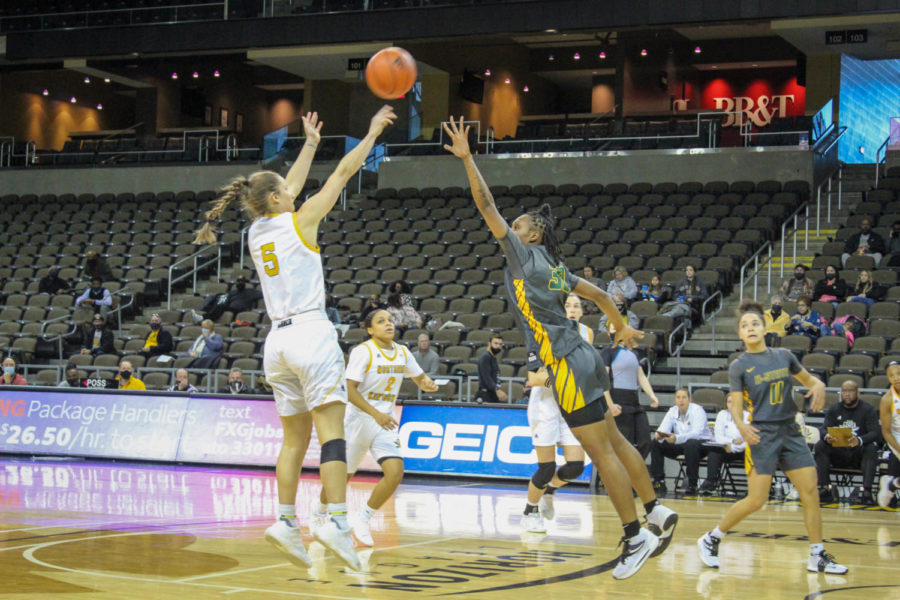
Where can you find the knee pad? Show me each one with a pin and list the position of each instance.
(571, 470)
(333, 450)
(543, 475)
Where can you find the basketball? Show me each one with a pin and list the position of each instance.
(391, 72)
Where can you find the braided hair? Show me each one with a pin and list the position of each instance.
(250, 193)
(544, 221)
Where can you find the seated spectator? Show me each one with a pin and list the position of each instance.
(866, 290)
(655, 290)
(627, 315)
(730, 446)
(590, 276)
(693, 291)
(776, 322)
(372, 303)
(850, 326)
(489, 373)
(866, 242)
(182, 383)
(126, 378)
(805, 321)
(331, 310)
(94, 266)
(206, 349)
(862, 453)
(236, 383)
(10, 376)
(52, 283)
(159, 341)
(73, 378)
(403, 313)
(427, 358)
(830, 289)
(798, 285)
(402, 288)
(622, 285)
(94, 299)
(97, 339)
(239, 299)
(683, 430)
(892, 258)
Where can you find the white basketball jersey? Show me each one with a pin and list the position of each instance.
(289, 268)
(585, 332)
(895, 417)
(380, 373)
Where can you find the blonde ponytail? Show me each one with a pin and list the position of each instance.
(236, 190)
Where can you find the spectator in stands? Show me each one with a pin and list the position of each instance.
(866, 290)
(403, 289)
(859, 451)
(427, 358)
(126, 378)
(655, 290)
(892, 259)
(776, 322)
(159, 341)
(627, 315)
(866, 242)
(622, 285)
(401, 310)
(182, 383)
(97, 339)
(805, 321)
(10, 376)
(683, 430)
(489, 373)
(239, 299)
(236, 383)
(692, 291)
(207, 348)
(729, 446)
(830, 289)
(590, 276)
(95, 266)
(52, 283)
(372, 303)
(331, 310)
(94, 299)
(798, 285)
(72, 379)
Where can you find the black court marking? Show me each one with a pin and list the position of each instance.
(819, 594)
(545, 581)
(124, 528)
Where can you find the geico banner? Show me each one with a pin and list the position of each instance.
(469, 440)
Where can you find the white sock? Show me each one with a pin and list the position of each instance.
(717, 533)
(338, 514)
(816, 549)
(288, 513)
(367, 513)
(319, 508)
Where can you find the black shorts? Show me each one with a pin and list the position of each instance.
(578, 381)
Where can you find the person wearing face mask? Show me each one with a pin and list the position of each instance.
(95, 265)
(489, 373)
(206, 349)
(159, 341)
(10, 377)
(73, 378)
(94, 299)
(627, 315)
(182, 383)
(861, 453)
(52, 283)
(805, 321)
(236, 383)
(830, 289)
(798, 285)
(692, 291)
(126, 378)
(240, 298)
(97, 339)
(864, 243)
(776, 322)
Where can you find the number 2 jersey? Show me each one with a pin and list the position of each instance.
(289, 267)
(764, 380)
(380, 373)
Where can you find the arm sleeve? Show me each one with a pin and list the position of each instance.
(360, 360)
(572, 279)
(517, 256)
(719, 432)
(630, 288)
(107, 343)
(82, 297)
(735, 378)
(107, 298)
(851, 244)
(829, 421)
(872, 427)
(412, 366)
(163, 343)
(215, 343)
(795, 366)
(485, 373)
(433, 364)
(667, 422)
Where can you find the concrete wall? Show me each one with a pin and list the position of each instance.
(653, 166)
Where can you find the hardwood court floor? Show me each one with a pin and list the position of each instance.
(112, 531)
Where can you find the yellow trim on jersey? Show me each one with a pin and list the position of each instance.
(371, 356)
(749, 403)
(334, 387)
(568, 395)
(314, 248)
(545, 351)
(381, 351)
(748, 460)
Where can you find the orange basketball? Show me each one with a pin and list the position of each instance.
(391, 73)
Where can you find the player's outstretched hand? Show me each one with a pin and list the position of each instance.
(459, 135)
(428, 385)
(386, 421)
(384, 117)
(628, 336)
(312, 127)
(817, 392)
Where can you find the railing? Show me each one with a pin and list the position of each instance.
(195, 257)
(839, 169)
(472, 383)
(98, 18)
(880, 158)
(794, 232)
(6, 151)
(710, 317)
(676, 351)
(755, 274)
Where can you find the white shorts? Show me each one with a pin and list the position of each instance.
(304, 364)
(363, 435)
(545, 420)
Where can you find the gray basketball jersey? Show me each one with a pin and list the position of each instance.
(764, 380)
(538, 286)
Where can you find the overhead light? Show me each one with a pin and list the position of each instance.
(215, 73)
(715, 67)
(550, 31)
(506, 80)
(487, 72)
(644, 52)
(99, 107)
(525, 89)
(576, 56)
(196, 75)
(72, 100)
(106, 80)
(551, 57)
(697, 50)
(754, 65)
(87, 79)
(603, 56)
(174, 75)
(46, 92)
